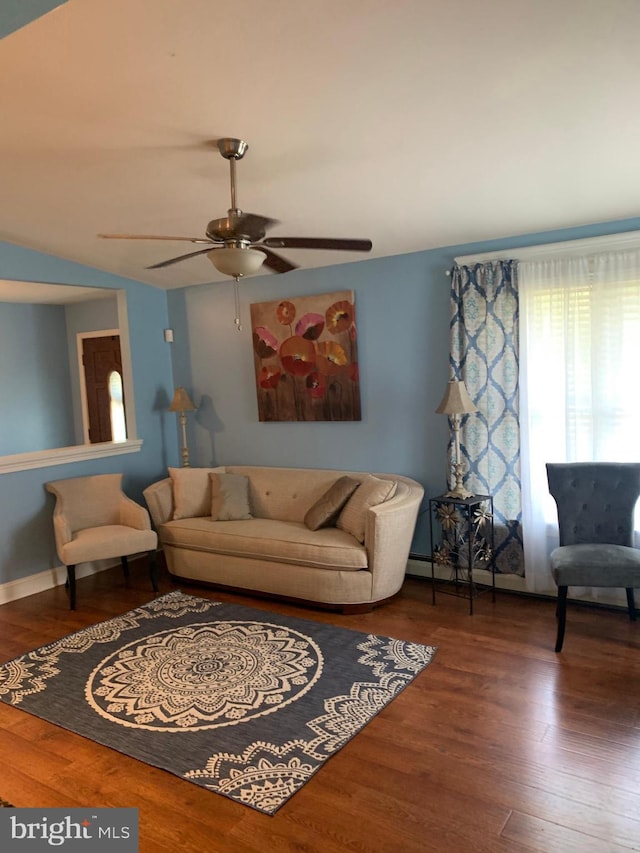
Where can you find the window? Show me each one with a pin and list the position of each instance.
(580, 349)
(116, 407)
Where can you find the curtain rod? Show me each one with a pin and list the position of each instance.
(605, 243)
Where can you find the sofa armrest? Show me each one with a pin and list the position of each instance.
(159, 498)
(389, 529)
(61, 528)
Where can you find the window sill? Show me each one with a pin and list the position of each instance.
(64, 455)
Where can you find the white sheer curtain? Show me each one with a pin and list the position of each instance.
(580, 396)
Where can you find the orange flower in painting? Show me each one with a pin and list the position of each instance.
(298, 356)
(286, 312)
(265, 343)
(269, 377)
(339, 316)
(316, 384)
(310, 326)
(331, 357)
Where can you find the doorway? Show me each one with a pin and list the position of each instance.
(103, 402)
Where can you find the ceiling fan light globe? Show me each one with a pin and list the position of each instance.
(236, 261)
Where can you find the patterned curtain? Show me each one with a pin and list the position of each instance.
(484, 354)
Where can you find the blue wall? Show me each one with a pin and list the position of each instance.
(26, 536)
(403, 316)
(402, 306)
(35, 383)
(17, 13)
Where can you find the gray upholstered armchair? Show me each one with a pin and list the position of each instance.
(94, 520)
(595, 502)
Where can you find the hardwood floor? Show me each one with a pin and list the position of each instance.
(499, 745)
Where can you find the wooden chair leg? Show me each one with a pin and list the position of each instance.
(71, 584)
(631, 604)
(561, 614)
(125, 568)
(153, 570)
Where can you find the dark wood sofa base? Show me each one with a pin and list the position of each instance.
(345, 609)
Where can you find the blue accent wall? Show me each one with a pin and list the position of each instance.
(402, 306)
(17, 13)
(26, 533)
(35, 383)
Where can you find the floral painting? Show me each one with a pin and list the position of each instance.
(306, 358)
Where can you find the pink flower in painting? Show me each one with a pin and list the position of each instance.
(298, 356)
(265, 342)
(310, 326)
(269, 377)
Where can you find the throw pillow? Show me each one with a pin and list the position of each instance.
(191, 491)
(371, 492)
(327, 508)
(229, 497)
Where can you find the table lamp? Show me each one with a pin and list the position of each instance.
(455, 403)
(182, 403)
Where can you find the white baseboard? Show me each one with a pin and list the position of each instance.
(609, 597)
(422, 569)
(22, 587)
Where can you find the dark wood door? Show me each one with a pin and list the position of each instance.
(100, 357)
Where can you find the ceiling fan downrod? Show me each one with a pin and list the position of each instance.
(233, 150)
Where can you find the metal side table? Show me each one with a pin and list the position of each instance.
(465, 543)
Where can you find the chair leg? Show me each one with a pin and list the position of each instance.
(153, 570)
(71, 584)
(125, 568)
(631, 604)
(561, 614)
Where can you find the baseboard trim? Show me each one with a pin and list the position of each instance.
(421, 568)
(50, 578)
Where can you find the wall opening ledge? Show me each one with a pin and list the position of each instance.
(64, 455)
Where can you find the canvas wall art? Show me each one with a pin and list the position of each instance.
(306, 358)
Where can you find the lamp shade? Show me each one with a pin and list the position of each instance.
(181, 402)
(236, 261)
(456, 400)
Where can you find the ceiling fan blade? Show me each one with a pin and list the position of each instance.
(276, 262)
(178, 259)
(153, 237)
(318, 243)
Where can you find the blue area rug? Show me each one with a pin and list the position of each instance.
(244, 702)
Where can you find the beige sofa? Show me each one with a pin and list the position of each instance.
(274, 552)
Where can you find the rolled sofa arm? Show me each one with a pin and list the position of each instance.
(389, 529)
(159, 498)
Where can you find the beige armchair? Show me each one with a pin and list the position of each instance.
(94, 520)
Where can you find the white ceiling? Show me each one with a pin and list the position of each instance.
(416, 123)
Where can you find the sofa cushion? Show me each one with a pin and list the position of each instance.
(229, 497)
(371, 492)
(286, 493)
(261, 538)
(192, 491)
(327, 508)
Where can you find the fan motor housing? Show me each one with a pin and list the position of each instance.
(232, 227)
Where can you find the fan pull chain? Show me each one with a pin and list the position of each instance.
(236, 293)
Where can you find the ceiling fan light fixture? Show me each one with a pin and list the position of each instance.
(236, 261)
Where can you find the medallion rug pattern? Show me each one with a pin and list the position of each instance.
(244, 702)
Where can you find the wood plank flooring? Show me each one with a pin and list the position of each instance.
(499, 745)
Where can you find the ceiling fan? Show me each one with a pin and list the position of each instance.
(236, 243)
